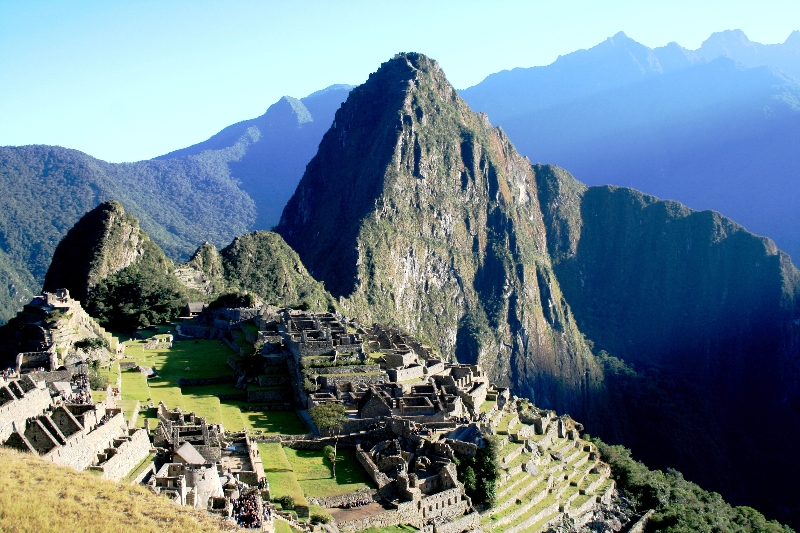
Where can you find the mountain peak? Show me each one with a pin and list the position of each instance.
(104, 241)
(619, 38)
(793, 40)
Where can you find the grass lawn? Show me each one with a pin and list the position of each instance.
(487, 405)
(313, 472)
(127, 407)
(203, 359)
(273, 457)
(282, 483)
(231, 416)
(134, 386)
(274, 422)
(47, 498)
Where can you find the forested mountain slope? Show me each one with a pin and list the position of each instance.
(706, 313)
(235, 181)
(693, 126)
(416, 211)
(46, 189)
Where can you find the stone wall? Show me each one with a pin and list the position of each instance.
(463, 448)
(274, 395)
(200, 332)
(641, 524)
(371, 379)
(405, 374)
(49, 377)
(380, 479)
(128, 456)
(191, 382)
(363, 497)
(32, 404)
(238, 350)
(381, 520)
(468, 522)
(272, 381)
(278, 359)
(344, 369)
(81, 449)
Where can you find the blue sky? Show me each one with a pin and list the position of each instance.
(125, 81)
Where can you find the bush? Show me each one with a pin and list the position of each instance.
(479, 474)
(92, 344)
(286, 501)
(680, 505)
(321, 518)
(98, 381)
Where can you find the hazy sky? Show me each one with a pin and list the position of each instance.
(131, 80)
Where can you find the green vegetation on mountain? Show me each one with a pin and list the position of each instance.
(680, 505)
(263, 264)
(417, 212)
(126, 282)
(46, 189)
(144, 293)
(704, 316)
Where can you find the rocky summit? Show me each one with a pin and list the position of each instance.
(417, 211)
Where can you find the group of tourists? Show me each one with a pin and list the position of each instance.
(245, 511)
(9, 373)
(422, 431)
(81, 396)
(353, 505)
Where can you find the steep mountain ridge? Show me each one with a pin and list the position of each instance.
(103, 242)
(735, 45)
(125, 280)
(701, 308)
(416, 211)
(279, 145)
(235, 181)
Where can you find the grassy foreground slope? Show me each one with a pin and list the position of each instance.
(42, 497)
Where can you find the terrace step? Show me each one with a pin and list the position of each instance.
(533, 495)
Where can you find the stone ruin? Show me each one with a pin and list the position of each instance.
(202, 467)
(79, 435)
(42, 336)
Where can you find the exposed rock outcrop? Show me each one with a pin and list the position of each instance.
(416, 211)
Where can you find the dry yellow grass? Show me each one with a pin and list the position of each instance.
(40, 497)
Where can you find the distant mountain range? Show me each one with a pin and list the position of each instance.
(238, 180)
(716, 128)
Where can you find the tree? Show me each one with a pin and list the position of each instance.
(329, 417)
(330, 454)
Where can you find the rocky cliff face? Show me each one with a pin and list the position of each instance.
(103, 242)
(416, 211)
(706, 313)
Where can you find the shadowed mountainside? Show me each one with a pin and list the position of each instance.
(706, 313)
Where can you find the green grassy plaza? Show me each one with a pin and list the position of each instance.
(193, 359)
